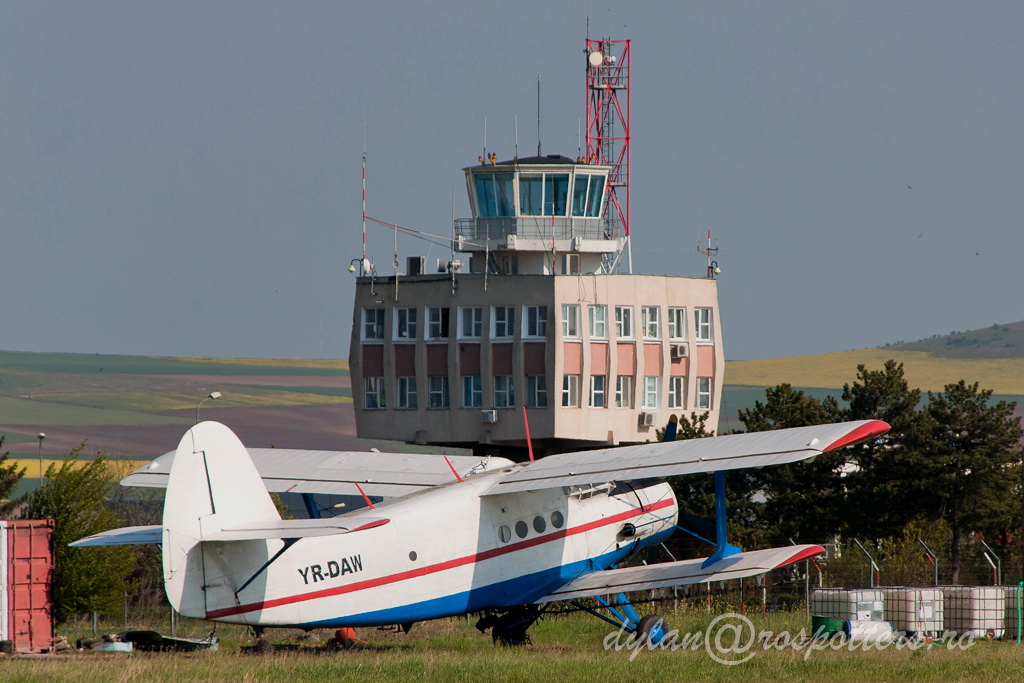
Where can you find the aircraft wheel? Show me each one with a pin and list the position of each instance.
(651, 628)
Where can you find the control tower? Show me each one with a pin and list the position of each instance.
(534, 314)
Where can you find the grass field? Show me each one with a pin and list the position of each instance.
(923, 370)
(568, 648)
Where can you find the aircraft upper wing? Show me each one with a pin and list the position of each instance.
(681, 573)
(735, 451)
(286, 470)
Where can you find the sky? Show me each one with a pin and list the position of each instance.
(184, 178)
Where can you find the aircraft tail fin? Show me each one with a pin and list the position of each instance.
(212, 485)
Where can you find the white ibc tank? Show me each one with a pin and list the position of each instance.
(863, 604)
(976, 610)
(1011, 594)
(915, 610)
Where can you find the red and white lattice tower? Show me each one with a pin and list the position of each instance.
(608, 131)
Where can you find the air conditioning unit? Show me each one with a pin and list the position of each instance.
(680, 350)
(416, 265)
(489, 416)
(646, 419)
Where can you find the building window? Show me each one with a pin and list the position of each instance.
(677, 323)
(570, 391)
(504, 396)
(651, 390)
(676, 392)
(373, 323)
(598, 322)
(598, 386)
(504, 322)
(373, 396)
(570, 320)
(406, 325)
(704, 393)
(702, 324)
(472, 391)
(472, 321)
(624, 391)
(437, 322)
(624, 322)
(407, 393)
(537, 391)
(536, 321)
(437, 391)
(651, 321)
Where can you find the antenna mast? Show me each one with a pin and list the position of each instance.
(608, 131)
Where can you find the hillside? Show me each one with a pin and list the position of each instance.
(997, 341)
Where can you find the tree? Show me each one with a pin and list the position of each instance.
(74, 496)
(696, 496)
(974, 456)
(888, 484)
(802, 501)
(10, 477)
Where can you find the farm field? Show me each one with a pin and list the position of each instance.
(568, 648)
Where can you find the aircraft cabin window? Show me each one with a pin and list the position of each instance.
(538, 524)
(557, 519)
(504, 534)
(522, 529)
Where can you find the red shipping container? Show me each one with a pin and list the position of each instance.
(26, 584)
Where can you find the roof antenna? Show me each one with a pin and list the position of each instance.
(538, 115)
(517, 139)
(484, 157)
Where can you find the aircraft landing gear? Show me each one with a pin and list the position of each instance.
(509, 628)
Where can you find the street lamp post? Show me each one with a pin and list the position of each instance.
(41, 436)
(213, 395)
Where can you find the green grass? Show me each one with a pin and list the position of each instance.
(158, 365)
(923, 370)
(17, 411)
(567, 648)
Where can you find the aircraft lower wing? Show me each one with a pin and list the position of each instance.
(735, 451)
(682, 573)
(289, 470)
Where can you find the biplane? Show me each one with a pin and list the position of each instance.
(449, 535)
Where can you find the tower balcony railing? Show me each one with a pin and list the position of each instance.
(536, 227)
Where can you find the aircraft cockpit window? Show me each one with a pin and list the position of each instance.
(538, 524)
(504, 534)
(522, 529)
(557, 519)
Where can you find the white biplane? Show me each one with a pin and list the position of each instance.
(454, 535)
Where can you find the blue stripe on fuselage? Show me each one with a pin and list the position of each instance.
(521, 590)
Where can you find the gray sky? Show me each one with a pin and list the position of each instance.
(184, 178)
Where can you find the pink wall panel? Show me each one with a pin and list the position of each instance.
(373, 360)
(501, 359)
(534, 358)
(599, 359)
(572, 358)
(469, 359)
(626, 354)
(652, 359)
(405, 360)
(437, 359)
(706, 361)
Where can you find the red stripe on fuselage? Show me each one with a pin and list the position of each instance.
(434, 568)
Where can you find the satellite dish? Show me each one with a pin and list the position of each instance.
(595, 58)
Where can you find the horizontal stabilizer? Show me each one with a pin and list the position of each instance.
(682, 573)
(129, 535)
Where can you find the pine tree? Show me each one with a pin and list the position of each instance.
(975, 458)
